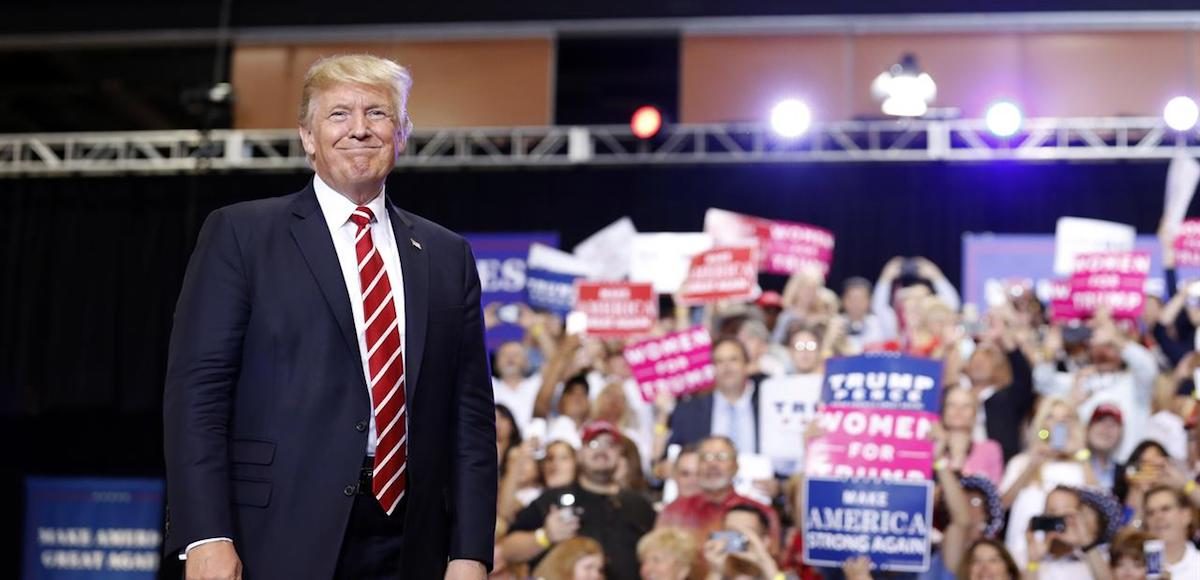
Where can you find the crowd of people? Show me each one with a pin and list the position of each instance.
(1066, 449)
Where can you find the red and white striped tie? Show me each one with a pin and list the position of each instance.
(386, 366)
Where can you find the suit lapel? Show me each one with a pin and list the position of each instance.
(414, 261)
(312, 235)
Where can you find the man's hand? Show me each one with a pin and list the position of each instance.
(558, 527)
(213, 561)
(465, 570)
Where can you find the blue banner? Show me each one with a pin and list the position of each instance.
(550, 291)
(93, 528)
(884, 381)
(886, 521)
(994, 263)
(501, 260)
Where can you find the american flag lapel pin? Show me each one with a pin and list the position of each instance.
(415, 243)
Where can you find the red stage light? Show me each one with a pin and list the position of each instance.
(646, 122)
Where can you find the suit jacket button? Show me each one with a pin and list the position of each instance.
(360, 426)
(350, 490)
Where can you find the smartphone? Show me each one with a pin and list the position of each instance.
(1048, 524)
(734, 541)
(567, 508)
(1058, 437)
(1153, 550)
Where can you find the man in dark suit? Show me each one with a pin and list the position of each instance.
(730, 409)
(327, 410)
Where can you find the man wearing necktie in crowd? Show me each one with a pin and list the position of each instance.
(328, 410)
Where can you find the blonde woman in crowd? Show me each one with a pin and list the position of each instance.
(667, 554)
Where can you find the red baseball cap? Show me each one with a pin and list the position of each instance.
(1107, 410)
(770, 298)
(595, 429)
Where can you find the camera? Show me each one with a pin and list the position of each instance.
(734, 541)
(1048, 524)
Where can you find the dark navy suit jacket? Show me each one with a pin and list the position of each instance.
(266, 408)
(692, 419)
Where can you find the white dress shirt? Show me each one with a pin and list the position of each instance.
(736, 420)
(336, 209)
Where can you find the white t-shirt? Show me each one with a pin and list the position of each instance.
(1189, 566)
(1031, 500)
(519, 400)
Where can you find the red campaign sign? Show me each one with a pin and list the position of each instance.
(721, 274)
(1116, 280)
(1187, 244)
(783, 247)
(617, 309)
(872, 443)
(679, 363)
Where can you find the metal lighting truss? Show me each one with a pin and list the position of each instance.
(967, 140)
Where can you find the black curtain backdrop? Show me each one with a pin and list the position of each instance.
(92, 266)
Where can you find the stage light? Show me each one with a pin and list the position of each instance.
(1003, 119)
(1181, 113)
(646, 122)
(791, 118)
(904, 89)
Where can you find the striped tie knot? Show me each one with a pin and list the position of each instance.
(362, 216)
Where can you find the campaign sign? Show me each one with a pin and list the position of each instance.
(501, 261)
(678, 363)
(872, 443)
(552, 291)
(1187, 244)
(783, 247)
(1061, 307)
(94, 528)
(888, 522)
(1115, 280)
(785, 407)
(721, 274)
(616, 309)
(884, 381)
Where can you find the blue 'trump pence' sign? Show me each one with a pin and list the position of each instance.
(93, 528)
(884, 381)
(889, 522)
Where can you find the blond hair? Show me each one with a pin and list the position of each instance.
(680, 545)
(358, 69)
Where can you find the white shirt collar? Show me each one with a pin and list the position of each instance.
(743, 401)
(337, 207)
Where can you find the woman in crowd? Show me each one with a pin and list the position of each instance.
(1127, 556)
(1052, 459)
(987, 559)
(667, 554)
(579, 558)
(507, 435)
(559, 464)
(1145, 467)
(963, 452)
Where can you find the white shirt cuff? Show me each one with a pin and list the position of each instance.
(184, 553)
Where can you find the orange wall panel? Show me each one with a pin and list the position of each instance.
(261, 76)
(1104, 73)
(455, 83)
(741, 78)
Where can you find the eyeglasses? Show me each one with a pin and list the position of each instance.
(716, 456)
(805, 345)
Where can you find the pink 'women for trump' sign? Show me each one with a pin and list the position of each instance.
(783, 247)
(1113, 280)
(679, 363)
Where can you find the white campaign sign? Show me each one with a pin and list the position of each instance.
(543, 257)
(664, 259)
(608, 250)
(1182, 176)
(785, 407)
(1074, 236)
